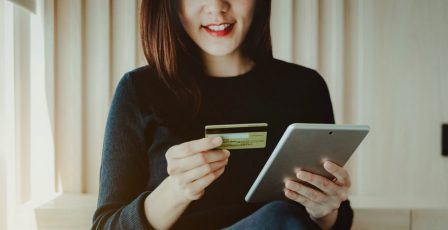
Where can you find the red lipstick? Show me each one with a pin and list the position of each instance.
(219, 30)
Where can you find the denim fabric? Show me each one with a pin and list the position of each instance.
(278, 215)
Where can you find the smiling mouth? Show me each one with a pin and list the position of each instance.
(219, 30)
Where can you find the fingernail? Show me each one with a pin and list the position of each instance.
(227, 153)
(217, 140)
(302, 175)
(328, 165)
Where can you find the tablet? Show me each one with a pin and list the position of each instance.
(305, 146)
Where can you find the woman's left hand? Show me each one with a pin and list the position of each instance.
(319, 203)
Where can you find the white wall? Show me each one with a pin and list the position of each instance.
(405, 98)
(385, 63)
(95, 43)
(393, 74)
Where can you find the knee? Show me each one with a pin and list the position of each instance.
(285, 215)
(281, 209)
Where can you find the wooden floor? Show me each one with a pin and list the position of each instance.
(401, 219)
(74, 211)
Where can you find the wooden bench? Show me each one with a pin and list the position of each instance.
(74, 211)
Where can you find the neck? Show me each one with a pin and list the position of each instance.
(233, 64)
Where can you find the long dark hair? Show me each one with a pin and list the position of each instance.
(175, 58)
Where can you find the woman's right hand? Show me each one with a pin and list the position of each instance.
(193, 166)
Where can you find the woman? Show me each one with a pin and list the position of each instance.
(210, 62)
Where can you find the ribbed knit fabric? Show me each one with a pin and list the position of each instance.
(136, 140)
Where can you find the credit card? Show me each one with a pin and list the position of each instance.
(239, 136)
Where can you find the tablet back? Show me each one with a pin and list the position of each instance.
(305, 146)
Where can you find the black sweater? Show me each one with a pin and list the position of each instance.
(136, 140)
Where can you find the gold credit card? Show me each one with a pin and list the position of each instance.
(239, 136)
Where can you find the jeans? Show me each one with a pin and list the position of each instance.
(276, 215)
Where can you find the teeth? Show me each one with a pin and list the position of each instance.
(218, 28)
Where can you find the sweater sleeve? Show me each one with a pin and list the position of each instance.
(124, 164)
(324, 110)
(345, 212)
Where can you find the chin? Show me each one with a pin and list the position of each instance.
(218, 51)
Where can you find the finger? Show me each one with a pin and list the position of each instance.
(307, 192)
(195, 146)
(342, 176)
(292, 195)
(197, 160)
(202, 171)
(176, 166)
(320, 182)
(202, 183)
